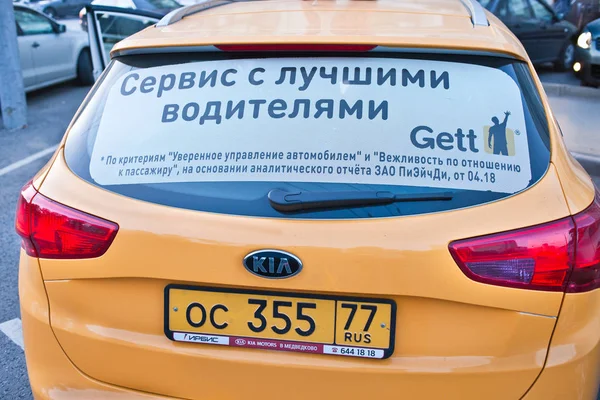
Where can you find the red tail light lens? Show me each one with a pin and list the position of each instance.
(586, 272)
(22, 221)
(533, 258)
(560, 256)
(53, 230)
(334, 48)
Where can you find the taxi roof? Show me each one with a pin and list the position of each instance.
(443, 24)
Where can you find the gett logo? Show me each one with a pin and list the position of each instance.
(498, 139)
(423, 137)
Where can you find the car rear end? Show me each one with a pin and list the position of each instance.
(449, 247)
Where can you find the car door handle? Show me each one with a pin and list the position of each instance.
(35, 45)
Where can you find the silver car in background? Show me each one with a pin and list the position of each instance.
(49, 53)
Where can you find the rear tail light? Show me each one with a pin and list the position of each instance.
(53, 230)
(560, 256)
(532, 258)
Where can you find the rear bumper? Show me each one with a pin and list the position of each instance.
(572, 371)
(51, 374)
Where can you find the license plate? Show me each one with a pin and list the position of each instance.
(344, 326)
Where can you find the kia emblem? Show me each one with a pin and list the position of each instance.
(272, 264)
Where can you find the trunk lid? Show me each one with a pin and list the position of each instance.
(452, 335)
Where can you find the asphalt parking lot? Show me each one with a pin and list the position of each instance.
(22, 154)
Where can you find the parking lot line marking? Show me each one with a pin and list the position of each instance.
(13, 330)
(27, 160)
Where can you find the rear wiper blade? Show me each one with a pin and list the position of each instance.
(284, 201)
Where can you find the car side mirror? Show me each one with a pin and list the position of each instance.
(559, 17)
(60, 28)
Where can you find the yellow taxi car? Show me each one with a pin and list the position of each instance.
(312, 200)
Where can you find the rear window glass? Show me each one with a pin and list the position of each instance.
(225, 132)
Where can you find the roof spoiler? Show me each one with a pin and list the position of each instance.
(476, 10)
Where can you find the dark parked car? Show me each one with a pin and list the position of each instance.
(59, 8)
(578, 12)
(546, 36)
(587, 67)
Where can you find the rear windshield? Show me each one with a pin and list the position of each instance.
(235, 133)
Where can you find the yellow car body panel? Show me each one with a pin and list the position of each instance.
(135, 339)
(355, 249)
(569, 360)
(63, 381)
(99, 322)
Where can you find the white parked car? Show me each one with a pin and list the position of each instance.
(49, 53)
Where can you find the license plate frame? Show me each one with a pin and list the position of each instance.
(277, 344)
